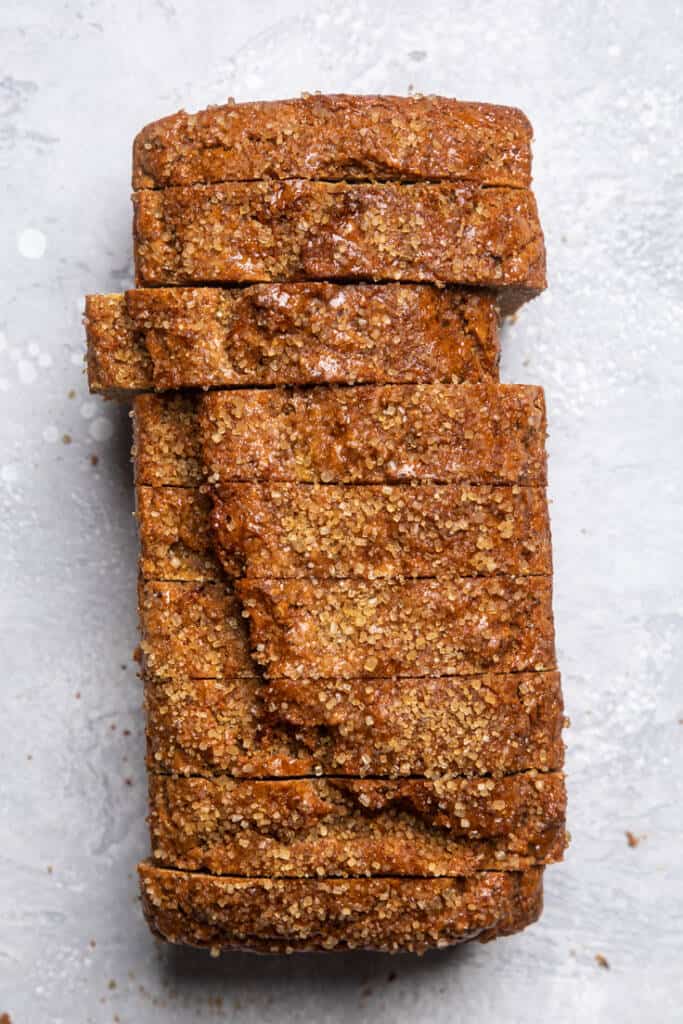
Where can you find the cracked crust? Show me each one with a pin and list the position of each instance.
(339, 629)
(337, 137)
(349, 827)
(449, 725)
(287, 915)
(286, 530)
(473, 433)
(175, 534)
(300, 230)
(192, 629)
(302, 333)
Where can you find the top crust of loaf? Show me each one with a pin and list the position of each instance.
(337, 138)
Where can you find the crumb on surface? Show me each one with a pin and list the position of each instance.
(94, 459)
(602, 961)
(66, 438)
(632, 839)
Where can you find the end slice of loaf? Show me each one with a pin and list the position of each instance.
(288, 915)
(337, 138)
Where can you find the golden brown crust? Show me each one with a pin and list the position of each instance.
(450, 725)
(302, 333)
(474, 433)
(301, 230)
(175, 534)
(284, 915)
(350, 827)
(192, 629)
(286, 530)
(337, 138)
(339, 629)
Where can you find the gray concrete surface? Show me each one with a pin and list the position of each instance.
(602, 84)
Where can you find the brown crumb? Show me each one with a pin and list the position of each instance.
(137, 655)
(94, 459)
(631, 839)
(602, 961)
(129, 782)
(126, 732)
(112, 983)
(71, 393)
(5, 1018)
(93, 943)
(77, 694)
(49, 869)
(66, 438)
(113, 726)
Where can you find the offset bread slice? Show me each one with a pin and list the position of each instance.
(450, 725)
(338, 137)
(192, 629)
(302, 230)
(288, 530)
(350, 827)
(302, 333)
(285, 915)
(473, 433)
(175, 534)
(340, 629)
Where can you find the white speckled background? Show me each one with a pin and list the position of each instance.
(601, 82)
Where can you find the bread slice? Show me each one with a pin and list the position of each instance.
(350, 827)
(340, 629)
(349, 628)
(473, 433)
(289, 530)
(287, 915)
(302, 333)
(347, 138)
(301, 230)
(448, 725)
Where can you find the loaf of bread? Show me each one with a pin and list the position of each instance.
(354, 716)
